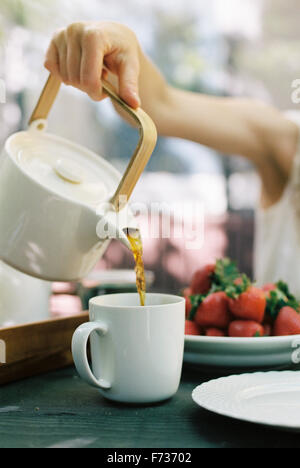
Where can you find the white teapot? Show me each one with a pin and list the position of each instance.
(60, 204)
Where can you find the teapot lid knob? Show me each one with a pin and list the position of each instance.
(69, 171)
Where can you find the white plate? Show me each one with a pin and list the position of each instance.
(269, 398)
(245, 353)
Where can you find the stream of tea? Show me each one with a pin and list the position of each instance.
(135, 240)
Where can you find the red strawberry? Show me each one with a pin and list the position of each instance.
(214, 332)
(187, 292)
(201, 281)
(287, 322)
(245, 328)
(250, 305)
(191, 328)
(267, 329)
(238, 281)
(269, 287)
(213, 311)
(188, 305)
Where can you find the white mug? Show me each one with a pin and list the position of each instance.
(136, 351)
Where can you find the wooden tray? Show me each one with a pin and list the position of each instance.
(39, 347)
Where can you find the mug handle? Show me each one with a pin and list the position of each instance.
(79, 351)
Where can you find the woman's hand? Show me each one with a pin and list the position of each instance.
(79, 53)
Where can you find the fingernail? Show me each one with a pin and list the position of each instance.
(137, 98)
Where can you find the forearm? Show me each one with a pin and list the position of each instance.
(219, 123)
(232, 126)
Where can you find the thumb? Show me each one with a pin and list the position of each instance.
(128, 81)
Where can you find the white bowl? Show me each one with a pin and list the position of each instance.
(225, 352)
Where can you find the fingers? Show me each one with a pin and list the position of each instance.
(77, 55)
(61, 45)
(128, 80)
(52, 59)
(73, 59)
(91, 65)
(56, 57)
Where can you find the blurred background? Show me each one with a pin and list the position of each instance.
(232, 47)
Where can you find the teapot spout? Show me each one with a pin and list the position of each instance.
(123, 238)
(114, 225)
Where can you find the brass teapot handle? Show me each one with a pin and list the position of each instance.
(143, 151)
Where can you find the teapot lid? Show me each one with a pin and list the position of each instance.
(66, 168)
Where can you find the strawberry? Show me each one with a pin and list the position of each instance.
(188, 304)
(267, 329)
(202, 279)
(238, 281)
(249, 305)
(277, 299)
(227, 277)
(245, 328)
(268, 287)
(287, 322)
(214, 332)
(187, 292)
(213, 311)
(191, 328)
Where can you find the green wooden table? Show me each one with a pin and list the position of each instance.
(59, 410)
